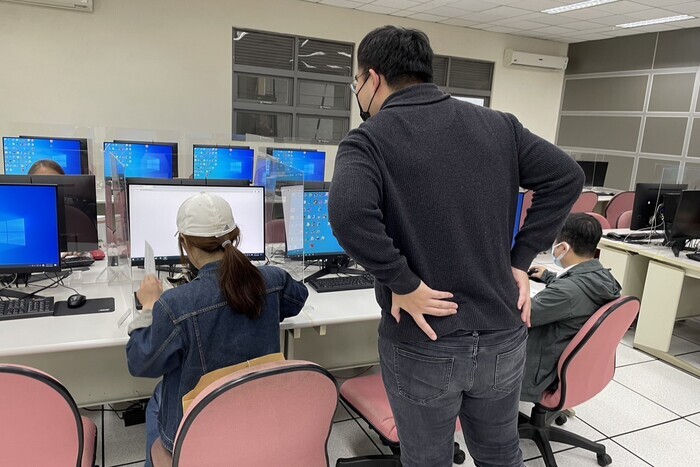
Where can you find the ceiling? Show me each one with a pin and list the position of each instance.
(524, 17)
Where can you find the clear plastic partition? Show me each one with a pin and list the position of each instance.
(691, 176)
(116, 222)
(284, 213)
(605, 173)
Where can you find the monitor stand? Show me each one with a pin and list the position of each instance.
(334, 265)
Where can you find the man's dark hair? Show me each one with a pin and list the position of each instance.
(582, 232)
(402, 56)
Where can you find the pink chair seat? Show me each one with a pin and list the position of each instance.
(90, 442)
(601, 220)
(621, 202)
(586, 202)
(624, 221)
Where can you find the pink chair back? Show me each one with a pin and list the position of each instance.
(587, 364)
(586, 202)
(602, 220)
(274, 231)
(625, 220)
(39, 421)
(527, 203)
(621, 202)
(273, 414)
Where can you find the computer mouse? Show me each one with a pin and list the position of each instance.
(97, 254)
(532, 271)
(76, 300)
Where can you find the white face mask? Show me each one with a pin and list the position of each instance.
(557, 259)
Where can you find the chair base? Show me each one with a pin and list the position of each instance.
(537, 427)
(391, 460)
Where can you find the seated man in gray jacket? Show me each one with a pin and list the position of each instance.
(563, 307)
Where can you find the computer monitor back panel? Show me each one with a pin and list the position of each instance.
(686, 223)
(153, 213)
(318, 240)
(224, 163)
(594, 171)
(29, 229)
(311, 163)
(22, 152)
(647, 197)
(149, 160)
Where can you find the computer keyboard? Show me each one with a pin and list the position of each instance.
(32, 307)
(79, 262)
(335, 284)
(693, 256)
(635, 236)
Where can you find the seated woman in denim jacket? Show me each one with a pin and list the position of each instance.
(229, 314)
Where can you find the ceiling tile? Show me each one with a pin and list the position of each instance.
(688, 8)
(555, 20)
(427, 17)
(555, 30)
(651, 14)
(614, 19)
(658, 3)
(398, 4)
(480, 17)
(449, 11)
(341, 3)
(425, 6)
(525, 25)
(472, 5)
(582, 25)
(507, 12)
(622, 7)
(501, 29)
(459, 22)
(535, 5)
(376, 9)
(403, 13)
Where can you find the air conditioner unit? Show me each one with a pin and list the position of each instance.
(551, 62)
(76, 5)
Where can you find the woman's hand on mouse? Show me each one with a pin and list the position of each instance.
(150, 291)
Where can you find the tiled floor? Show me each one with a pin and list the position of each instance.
(649, 415)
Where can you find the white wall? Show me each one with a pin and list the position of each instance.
(166, 65)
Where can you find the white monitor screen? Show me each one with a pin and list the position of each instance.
(153, 213)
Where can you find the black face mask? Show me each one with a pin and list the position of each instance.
(364, 115)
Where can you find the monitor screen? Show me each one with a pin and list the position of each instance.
(595, 172)
(153, 213)
(518, 215)
(318, 240)
(150, 160)
(686, 223)
(647, 198)
(29, 228)
(311, 163)
(223, 163)
(22, 152)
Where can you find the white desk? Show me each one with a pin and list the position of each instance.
(669, 289)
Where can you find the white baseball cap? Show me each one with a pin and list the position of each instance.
(205, 215)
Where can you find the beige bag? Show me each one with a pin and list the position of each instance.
(212, 376)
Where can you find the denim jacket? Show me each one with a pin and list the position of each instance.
(192, 331)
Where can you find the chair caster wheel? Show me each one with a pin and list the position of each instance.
(561, 419)
(604, 459)
(459, 457)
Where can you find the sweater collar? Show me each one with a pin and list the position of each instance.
(425, 93)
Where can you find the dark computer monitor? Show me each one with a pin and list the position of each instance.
(223, 162)
(157, 226)
(594, 171)
(77, 215)
(518, 215)
(150, 160)
(686, 224)
(29, 229)
(311, 163)
(22, 152)
(647, 198)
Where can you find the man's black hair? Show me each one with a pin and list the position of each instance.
(403, 56)
(582, 232)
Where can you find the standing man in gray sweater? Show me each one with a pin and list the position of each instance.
(424, 197)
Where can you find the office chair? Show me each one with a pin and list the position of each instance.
(585, 368)
(40, 423)
(274, 231)
(527, 204)
(625, 220)
(621, 202)
(367, 397)
(586, 202)
(602, 220)
(277, 413)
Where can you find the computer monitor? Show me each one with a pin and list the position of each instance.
(518, 215)
(153, 214)
(151, 160)
(29, 229)
(686, 224)
(77, 214)
(311, 163)
(594, 171)
(319, 241)
(223, 162)
(647, 198)
(22, 152)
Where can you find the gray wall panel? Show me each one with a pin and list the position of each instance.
(615, 133)
(664, 135)
(657, 171)
(678, 48)
(691, 176)
(671, 93)
(694, 149)
(619, 174)
(625, 93)
(618, 54)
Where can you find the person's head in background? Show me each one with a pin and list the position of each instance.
(578, 240)
(46, 167)
(390, 59)
(208, 234)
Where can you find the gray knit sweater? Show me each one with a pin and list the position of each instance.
(426, 190)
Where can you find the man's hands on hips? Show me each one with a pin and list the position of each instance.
(523, 282)
(426, 301)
